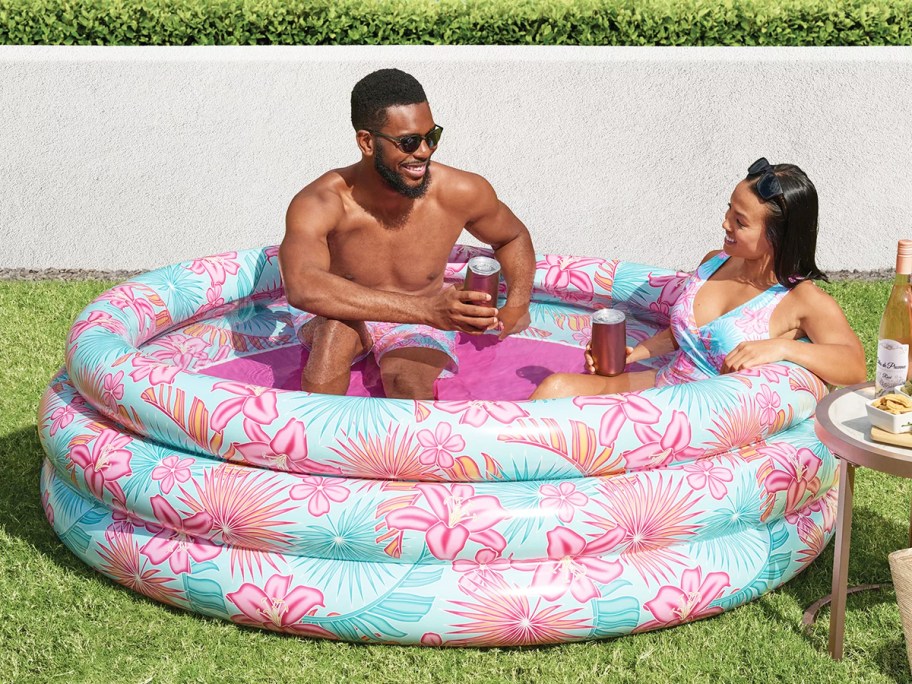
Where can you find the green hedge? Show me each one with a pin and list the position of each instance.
(456, 22)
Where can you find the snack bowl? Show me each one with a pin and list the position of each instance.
(891, 422)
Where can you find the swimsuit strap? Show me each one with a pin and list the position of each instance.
(711, 265)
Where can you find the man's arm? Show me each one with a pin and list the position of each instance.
(304, 260)
(496, 225)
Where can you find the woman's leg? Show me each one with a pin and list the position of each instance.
(577, 384)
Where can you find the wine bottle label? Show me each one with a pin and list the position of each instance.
(892, 363)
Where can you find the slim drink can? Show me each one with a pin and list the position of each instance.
(483, 275)
(609, 341)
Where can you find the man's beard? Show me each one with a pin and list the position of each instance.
(395, 180)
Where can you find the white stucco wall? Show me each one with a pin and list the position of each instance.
(131, 158)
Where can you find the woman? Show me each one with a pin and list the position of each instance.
(749, 303)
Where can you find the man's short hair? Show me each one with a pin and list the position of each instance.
(381, 89)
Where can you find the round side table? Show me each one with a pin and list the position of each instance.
(842, 425)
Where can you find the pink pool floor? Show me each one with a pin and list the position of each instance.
(507, 370)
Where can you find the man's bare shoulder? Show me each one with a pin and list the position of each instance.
(459, 187)
(323, 197)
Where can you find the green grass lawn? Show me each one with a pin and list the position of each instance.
(62, 622)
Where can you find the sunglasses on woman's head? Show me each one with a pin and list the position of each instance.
(410, 143)
(768, 185)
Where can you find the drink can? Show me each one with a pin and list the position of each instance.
(483, 275)
(609, 341)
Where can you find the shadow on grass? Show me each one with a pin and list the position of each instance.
(21, 513)
(874, 537)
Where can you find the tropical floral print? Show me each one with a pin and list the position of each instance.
(703, 348)
(461, 523)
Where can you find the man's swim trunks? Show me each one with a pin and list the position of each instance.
(702, 349)
(387, 337)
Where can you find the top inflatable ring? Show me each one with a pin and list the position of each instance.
(145, 338)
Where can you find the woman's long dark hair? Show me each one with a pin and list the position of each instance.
(791, 226)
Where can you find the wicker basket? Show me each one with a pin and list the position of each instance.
(901, 570)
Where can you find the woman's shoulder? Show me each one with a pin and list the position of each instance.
(710, 255)
(811, 298)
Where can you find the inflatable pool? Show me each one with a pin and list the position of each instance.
(183, 464)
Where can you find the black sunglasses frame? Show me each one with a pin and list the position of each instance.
(410, 143)
(768, 185)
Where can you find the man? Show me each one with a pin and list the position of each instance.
(366, 246)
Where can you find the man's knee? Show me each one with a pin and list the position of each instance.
(402, 385)
(337, 340)
(410, 373)
(333, 346)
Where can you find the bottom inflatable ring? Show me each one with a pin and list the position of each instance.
(486, 602)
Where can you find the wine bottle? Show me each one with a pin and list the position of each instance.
(895, 336)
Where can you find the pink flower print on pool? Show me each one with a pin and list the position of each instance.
(457, 516)
(800, 518)
(580, 324)
(487, 565)
(113, 390)
(121, 561)
(48, 508)
(61, 417)
(178, 540)
(674, 605)
(172, 469)
(660, 450)
(286, 451)
(621, 407)
(214, 297)
(476, 413)
(98, 319)
(157, 372)
(503, 615)
(564, 271)
(320, 491)
(768, 402)
(431, 639)
(279, 607)
(672, 288)
(125, 522)
(826, 505)
(105, 463)
(564, 498)
(123, 298)
(439, 446)
(583, 336)
(257, 404)
(798, 477)
(705, 473)
(572, 565)
(217, 267)
(180, 350)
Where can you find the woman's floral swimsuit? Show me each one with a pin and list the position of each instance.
(702, 349)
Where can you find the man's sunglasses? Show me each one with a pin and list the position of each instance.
(768, 185)
(410, 143)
